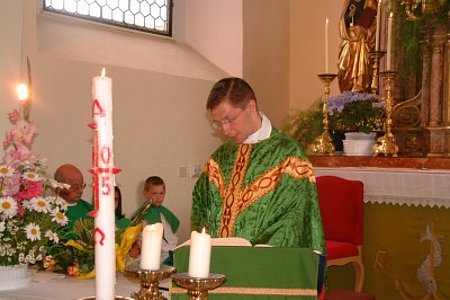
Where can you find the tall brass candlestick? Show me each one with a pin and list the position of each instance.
(323, 144)
(386, 144)
(376, 56)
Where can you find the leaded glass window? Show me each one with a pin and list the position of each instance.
(154, 16)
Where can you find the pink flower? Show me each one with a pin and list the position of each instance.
(14, 116)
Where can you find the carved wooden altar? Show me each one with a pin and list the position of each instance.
(422, 124)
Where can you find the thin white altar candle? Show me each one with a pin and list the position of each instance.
(327, 62)
(103, 165)
(377, 33)
(389, 42)
(199, 254)
(151, 247)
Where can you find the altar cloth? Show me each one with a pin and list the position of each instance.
(424, 187)
(257, 272)
(70, 289)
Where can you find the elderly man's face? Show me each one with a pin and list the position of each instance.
(77, 185)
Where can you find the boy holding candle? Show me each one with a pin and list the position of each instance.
(152, 211)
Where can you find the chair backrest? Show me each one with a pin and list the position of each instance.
(341, 206)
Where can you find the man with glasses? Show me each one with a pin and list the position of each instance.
(77, 208)
(259, 185)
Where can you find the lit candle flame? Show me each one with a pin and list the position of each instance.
(103, 72)
(22, 92)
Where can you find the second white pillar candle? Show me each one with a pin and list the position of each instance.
(199, 254)
(151, 247)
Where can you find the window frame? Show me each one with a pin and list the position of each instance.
(116, 24)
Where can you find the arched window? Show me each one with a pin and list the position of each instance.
(154, 16)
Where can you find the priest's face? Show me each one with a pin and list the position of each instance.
(236, 123)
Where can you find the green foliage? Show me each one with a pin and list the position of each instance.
(305, 125)
(79, 249)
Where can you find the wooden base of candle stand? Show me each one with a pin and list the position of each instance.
(149, 281)
(198, 287)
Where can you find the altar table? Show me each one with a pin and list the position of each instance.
(68, 288)
(258, 272)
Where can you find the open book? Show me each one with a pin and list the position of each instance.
(232, 241)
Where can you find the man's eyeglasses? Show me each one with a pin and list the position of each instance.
(219, 125)
(75, 187)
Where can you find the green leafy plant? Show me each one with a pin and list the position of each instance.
(305, 125)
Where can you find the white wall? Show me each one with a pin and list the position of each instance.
(10, 58)
(214, 29)
(160, 84)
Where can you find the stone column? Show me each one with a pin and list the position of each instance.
(437, 72)
(426, 77)
(438, 127)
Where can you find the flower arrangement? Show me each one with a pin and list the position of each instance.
(31, 224)
(354, 111)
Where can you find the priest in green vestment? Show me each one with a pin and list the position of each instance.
(77, 208)
(259, 185)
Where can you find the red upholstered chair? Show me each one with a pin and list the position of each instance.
(341, 207)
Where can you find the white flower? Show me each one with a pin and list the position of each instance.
(52, 236)
(60, 217)
(30, 175)
(8, 207)
(55, 184)
(33, 232)
(2, 226)
(39, 204)
(5, 171)
(61, 203)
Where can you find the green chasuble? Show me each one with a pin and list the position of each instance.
(79, 211)
(263, 192)
(153, 215)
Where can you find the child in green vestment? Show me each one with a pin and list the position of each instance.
(152, 211)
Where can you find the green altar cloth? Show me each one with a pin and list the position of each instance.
(257, 272)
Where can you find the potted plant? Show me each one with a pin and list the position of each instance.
(359, 115)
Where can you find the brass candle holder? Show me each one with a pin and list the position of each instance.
(149, 281)
(386, 144)
(375, 56)
(323, 144)
(197, 288)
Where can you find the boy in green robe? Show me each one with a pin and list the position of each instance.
(152, 211)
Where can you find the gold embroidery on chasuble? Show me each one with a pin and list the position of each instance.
(236, 198)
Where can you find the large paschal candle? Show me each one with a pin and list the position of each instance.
(103, 184)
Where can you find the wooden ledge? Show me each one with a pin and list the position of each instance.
(380, 162)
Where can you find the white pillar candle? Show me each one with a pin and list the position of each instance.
(327, 62)
(199, 254)
(151, 247)
(103, 185)
(389, 42)
(377, 33)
